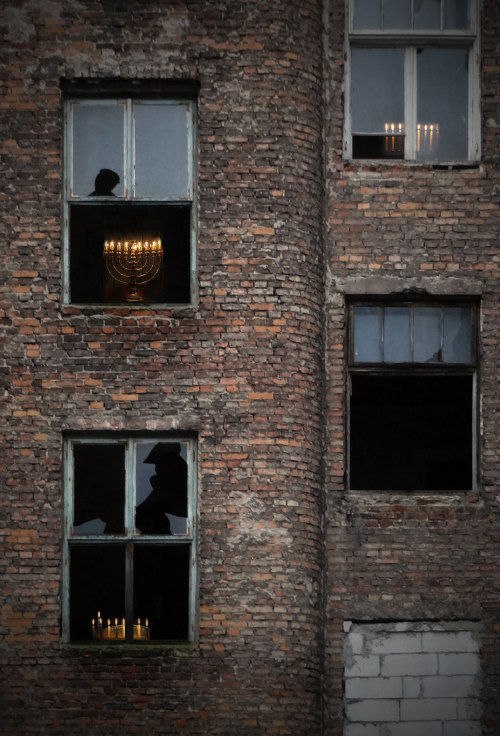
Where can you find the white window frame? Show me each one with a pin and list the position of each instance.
(129, 176)
(409, 40)
(188, 538)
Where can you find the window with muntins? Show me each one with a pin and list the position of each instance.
(129, 201)
(129, 548)
(412, 387)
(412, 90)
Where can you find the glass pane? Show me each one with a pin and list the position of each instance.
(161, 595)
(368, 334)
(98, 150)
(427, 14)
(427, 334)
(457, 335)
(397, 335)
(377, 90)
(456, 14)
(161, 488)
(161, 151)
(397, 14)
(97, 586)
(99, 489)
(367, 14)
(442, 104)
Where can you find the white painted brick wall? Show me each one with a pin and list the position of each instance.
(412, 679)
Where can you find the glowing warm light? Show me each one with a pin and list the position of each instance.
(133, 263)
(116, 631)
(427, 137)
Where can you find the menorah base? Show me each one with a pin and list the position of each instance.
(134, 296)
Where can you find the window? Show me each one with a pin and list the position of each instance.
(129, 200)
(129, 540)
(412, 677)
(412, 388)
(413, 86)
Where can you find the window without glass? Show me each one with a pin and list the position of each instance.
(129, 546)
(129, 200)
(413, 91)
(412, 388)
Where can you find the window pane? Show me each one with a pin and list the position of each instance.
(161, 151)
(366, 14)
(377, 89)
(456, 14)
(99, 489)
(98, 150)
(397, 335)
(97, 585)
(457, 335)
(427, 14)
(397, 14)
(161, 595)
(161, 488)
(368, 334)
(442, 102)
(427, 334)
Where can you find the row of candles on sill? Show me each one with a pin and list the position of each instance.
(133, 246)
(116, 630)
(427, 135)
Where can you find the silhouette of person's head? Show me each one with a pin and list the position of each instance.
(105, 181)
(170, 482)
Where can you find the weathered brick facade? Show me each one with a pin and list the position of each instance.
(255, 370)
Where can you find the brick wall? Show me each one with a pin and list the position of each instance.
(409, 678)
(244, 370)
(404, 229)
(240, 370)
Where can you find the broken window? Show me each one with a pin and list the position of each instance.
(411, 404)
(129, 200)
(129, 548)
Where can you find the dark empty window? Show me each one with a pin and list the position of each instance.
(129, 201)
(411, 405)
(129, 540)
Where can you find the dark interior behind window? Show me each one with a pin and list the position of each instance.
(411, 432)
(91, 225)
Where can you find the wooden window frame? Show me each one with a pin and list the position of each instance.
(415, 369)
(410, 41)
(129, 97)
(130, 538)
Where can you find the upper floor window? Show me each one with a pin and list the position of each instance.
(129, 199)
(412, 87)
(129, 546)
(412, 388)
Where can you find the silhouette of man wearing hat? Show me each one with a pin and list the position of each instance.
(105, 181)
(169, 494)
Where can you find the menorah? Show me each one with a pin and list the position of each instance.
(133, 263)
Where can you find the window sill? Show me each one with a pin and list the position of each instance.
(417, 497)
(178, 648)
(123, 308)
(372, 163)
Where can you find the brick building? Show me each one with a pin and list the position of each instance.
(249, 340)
